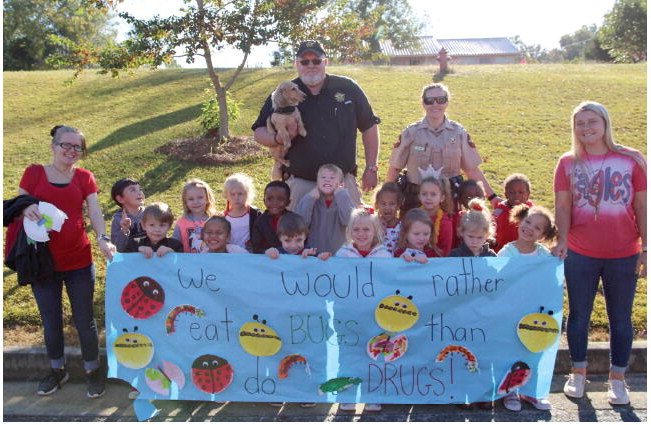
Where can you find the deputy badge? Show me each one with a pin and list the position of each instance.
(340, 97)
(453, 139)
(470, 143)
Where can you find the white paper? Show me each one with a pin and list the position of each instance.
(54, 219)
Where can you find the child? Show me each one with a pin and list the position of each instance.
(198, 205)
(416, 237)
(326, 209)
(365, 236)
(467, 190)
(276, 199)
(239, 193)
(388, 200)
(157, 220)
(475, 228)
(517, 189)
(535, 224)
(292, 233)
(216, 233)
(126, 221)
(436, 201)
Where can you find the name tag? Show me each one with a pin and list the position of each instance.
(419, 148)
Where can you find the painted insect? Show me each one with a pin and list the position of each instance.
(211, 374)
(289, 361)
(133, 350)
(471, 360)
(538, 331)
(160, 378)
(258, 339)
(396, 313)
(335, 385)
(142, 297)
(517, 377)
(390, 347)
(170, 327)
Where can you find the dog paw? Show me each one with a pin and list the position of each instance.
(302, 132)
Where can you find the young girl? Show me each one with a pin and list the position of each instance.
(239, 193)
(388, 200)
(416, 240)
(198, 205)
(475, 228)
(436, 201)
(216, 233)
(535, 224)
(517, 190)
(365, 236)
(467, 190)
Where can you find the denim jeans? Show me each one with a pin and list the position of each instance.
(80, 285)
(619, 279)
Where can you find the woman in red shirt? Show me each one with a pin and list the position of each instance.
(601, 217)
(68, 187)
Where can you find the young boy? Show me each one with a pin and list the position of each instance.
(157, 220)
(126, 221)
(276, 199)
(326, 209)
(292, 233)
(517, 189)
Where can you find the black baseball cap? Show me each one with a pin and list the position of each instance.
(310, 46)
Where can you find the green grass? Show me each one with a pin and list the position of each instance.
(517, 115)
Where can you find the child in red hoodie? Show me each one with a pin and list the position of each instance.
(517, 189)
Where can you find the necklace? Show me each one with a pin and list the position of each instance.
(594, 188)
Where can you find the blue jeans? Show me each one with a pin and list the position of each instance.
(80, 285)
(619, 279)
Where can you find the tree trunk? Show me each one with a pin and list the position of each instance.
(223, 114)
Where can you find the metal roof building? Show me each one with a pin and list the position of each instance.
(464, 51)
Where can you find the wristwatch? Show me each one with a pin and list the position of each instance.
(371, 168)
(104, 237)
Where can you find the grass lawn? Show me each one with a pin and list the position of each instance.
(518, 115)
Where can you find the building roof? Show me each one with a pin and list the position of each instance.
(429, 46)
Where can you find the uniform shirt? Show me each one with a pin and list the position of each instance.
(331, 119)
(70, 247)
(610, 182)
(421, 145)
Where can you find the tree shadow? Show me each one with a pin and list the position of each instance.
(156, 78)
(162, 177)
(145, 127)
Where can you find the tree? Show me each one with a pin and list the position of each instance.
(203, 28)
(623, 33)
(29, 26)
(532, 53)
(583, 45)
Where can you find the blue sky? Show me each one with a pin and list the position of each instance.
(537, 22)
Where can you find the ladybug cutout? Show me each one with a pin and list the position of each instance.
(142, 297)
(517, 377)
(211, 374)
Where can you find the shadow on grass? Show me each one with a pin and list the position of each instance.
(164, 176)
(144, 127)
(156, 78)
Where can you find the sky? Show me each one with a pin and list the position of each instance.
(535, 21)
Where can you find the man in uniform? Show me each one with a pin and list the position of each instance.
(435, 146)
(334, 109)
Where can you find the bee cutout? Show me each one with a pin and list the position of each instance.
(258, 339)
(133, 350)
(538, 331)
(394, 313)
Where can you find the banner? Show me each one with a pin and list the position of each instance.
(242, 327)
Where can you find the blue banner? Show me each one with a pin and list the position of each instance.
(241, 327)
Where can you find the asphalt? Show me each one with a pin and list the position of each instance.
(71, 405)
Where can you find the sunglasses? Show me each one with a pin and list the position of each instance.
(435, 99)
(68, 146)
(306, 62)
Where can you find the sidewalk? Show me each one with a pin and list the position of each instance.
(70, 404)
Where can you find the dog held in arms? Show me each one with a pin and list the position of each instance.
(284, 101)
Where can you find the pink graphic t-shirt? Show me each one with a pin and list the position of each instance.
(603, 188)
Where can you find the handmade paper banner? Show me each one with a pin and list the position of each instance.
(243, 327)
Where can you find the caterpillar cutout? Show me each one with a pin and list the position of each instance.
(471, 360)
(184, 308)
(289, 361)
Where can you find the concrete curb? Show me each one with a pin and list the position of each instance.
(31, 363)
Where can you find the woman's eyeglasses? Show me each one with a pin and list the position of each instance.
(68, 146)
(435, 99)
(306, 62)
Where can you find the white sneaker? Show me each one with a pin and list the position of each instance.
(512, 402)
(372, 407)
(540, 404)
(617, 392)
(347, 407)
(575, 385)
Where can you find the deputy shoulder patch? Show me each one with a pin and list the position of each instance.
(470, 143)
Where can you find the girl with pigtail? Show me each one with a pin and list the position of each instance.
(474, 230)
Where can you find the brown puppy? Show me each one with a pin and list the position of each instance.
(284, 100)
